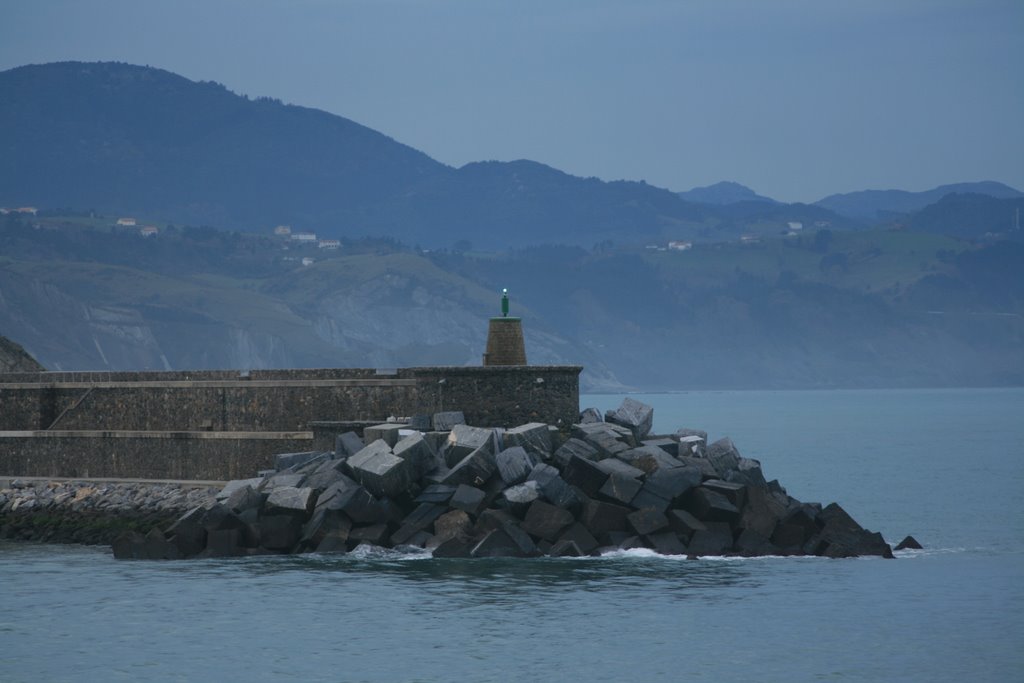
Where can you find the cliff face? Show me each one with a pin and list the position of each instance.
(13, 358)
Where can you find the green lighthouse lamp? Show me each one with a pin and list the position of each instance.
(505, 344)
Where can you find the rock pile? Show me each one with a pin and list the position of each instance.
(468, 491)
(91, 512)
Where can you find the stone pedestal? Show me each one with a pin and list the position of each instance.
(505, 344)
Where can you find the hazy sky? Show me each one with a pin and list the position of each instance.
(797, 99)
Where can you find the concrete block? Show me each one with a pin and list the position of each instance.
(223, 543)
(667, 543)
(464, 440)
(388, 432)
(452, 524)
(284, 461)
(456, 547)
(360, 505)
(546, 521)
(578, 534)
(710, 506)
(565, 548)
(670, 446)
(368, 451)
(634, 415)
(282, 479)
(572, 447)
(415, 449)
(327, 475)
(620, 488)
(692, 446)
(620, 467)
(439, 494)
(762, 511)
(232, 486)
(553, 487)
(514, 465)
(325, 523)
(419, 519)
(473, 470)
(606, 439)
(601, 518)
(374, 534)
(468, 499)
(291, 501)
(534, 437)
(327, 497)
(672, 483)
(347, 444)
(686, 432)
(491, 519)
(650, 496)
(590, 415)
(333, 543)
(684, 523)
(156, 547)
(751, 543)
(243, 499)
(584, 474)
(498, 543)
(220, 517)
(736, 493)
(647, 521)
(517, 499)
(707, 470)
(280, 532)
(749, 473)
(129, 545)
(421, 423)
(382, 472)
(188, 533)
(709, 542)
(724, 456)
(789, 537)
(648, 459)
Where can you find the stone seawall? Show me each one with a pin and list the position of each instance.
(92, 512)
(282, 400)
(144, 455)
(224, 424)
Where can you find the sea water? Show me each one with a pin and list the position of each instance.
(944, 465)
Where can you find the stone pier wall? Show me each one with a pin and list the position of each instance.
(226, 424)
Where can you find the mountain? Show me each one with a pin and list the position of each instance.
(874, 206)
(857, 308)
(725, 192)
(13, 358)
(130, 140)
(970, 216)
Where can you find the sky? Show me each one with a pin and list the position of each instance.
(797, 99)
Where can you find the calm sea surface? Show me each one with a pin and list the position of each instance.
(946, 466)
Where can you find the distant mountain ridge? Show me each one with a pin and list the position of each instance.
(130, 140)
(876, 205)
(723, 193)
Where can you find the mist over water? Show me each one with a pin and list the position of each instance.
(944, 466)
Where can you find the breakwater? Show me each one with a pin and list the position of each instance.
(92, 512)
(466, 491)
